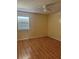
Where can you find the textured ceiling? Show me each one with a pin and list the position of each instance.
(36, 6)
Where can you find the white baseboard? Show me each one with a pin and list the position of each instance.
(32, 37)
(55, 38)
(40, 37)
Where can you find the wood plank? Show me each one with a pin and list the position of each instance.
(39, 48)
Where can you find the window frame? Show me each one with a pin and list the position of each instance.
(27, 26)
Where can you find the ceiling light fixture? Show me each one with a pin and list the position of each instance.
(44, 8)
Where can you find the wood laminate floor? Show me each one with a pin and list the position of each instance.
(41, 48)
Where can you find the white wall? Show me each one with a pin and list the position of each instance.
(43, 25)
(54, 26)
(38, 25)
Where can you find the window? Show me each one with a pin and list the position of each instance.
(23, 23)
